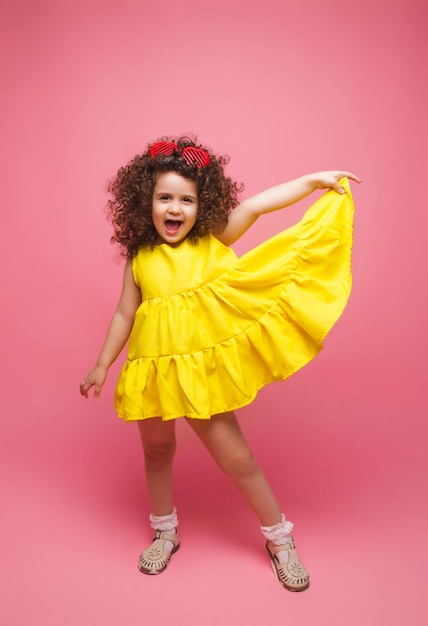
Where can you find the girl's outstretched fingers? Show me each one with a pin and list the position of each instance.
(349, 175)
(331, 179)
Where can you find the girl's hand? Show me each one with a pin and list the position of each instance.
(330, 180)
(95, 378)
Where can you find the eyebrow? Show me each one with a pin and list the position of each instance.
(168, 193)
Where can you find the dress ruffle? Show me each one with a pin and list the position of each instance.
(213, 329)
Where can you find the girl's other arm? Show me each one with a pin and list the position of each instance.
(117, 334)
(279, 197)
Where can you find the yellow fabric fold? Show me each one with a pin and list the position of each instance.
(214, 328)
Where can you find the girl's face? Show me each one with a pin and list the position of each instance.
(174, 207)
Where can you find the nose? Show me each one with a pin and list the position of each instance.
(174, 207)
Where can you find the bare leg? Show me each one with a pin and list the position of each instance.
(159, 445)
(223, 438)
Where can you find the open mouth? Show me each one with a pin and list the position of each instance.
(172, 226)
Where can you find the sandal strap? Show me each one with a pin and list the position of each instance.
(291, 574)
(166, 537)
(289, 545)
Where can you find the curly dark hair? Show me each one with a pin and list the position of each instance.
(130, 209)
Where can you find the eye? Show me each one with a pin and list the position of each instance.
(164, 197)
(188, 200)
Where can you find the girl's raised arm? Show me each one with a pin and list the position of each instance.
(279, 197)
(117, 334)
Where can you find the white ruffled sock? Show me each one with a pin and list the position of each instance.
(279, 534)
(165, 523)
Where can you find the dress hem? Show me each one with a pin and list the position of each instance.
(235, 406)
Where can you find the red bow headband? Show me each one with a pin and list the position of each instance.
(192, 156)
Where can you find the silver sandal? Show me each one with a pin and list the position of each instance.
(155, 559)
(287, 566)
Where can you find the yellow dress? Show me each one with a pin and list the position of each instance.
(214, 328)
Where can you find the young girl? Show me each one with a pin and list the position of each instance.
(207, 330)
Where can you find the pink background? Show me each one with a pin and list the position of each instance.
(284, 88)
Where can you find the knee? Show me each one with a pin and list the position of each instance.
(240, 465)
(160, 453)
